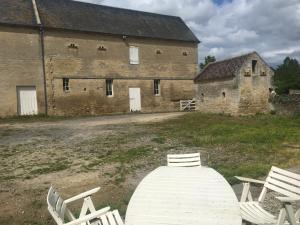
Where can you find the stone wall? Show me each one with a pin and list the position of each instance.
(243, 94)
(87, 67)
(88, 96)
(286, 104)
(255, 89)
(20, 65)
(218, 97)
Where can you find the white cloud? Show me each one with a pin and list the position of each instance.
(279, 52)
(242, 36)
(270, 27)
(216, 51)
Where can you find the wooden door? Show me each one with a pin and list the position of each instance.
(135, 99)
(27, 101)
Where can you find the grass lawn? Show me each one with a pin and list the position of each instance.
(244, 146)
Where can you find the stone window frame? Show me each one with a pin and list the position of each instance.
(158, 52)
(134, 55)
(102, 48)
(109, 84)
(66, 84)
(263, 71)
(156, 87)
(73, 46)
(254, 66)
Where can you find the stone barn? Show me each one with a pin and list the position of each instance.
(63, 57)
(236, 86)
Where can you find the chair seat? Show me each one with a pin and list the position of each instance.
(254, 213)
(110, 218)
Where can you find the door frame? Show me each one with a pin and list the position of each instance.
(18, 87)
(134, 87)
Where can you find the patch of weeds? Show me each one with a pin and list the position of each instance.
(121, 175)
(30, 119)
(120, 203)
(33, 222)
(27, 177)
(7, 154)
(130, 155)
(6, 178)
(108, 174)
(95, 163)
(37, 204)
(253, 170)
(52, 167)
(159, 140)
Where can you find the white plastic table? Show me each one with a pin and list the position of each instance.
(183, 196)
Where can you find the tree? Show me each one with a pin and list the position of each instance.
(208, 59)
(287, 76)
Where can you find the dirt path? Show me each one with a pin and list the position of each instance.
(72, 154)
(99, 120)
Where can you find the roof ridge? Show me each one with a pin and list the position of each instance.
(124, 9)
(227, 59)
(89, 17)
(230, 67)
(235, 57)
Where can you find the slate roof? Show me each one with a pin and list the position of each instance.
(73, 15)
(222, 69)
(17, 12)
(80, 16)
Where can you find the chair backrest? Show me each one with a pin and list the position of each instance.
(184, 160)
(56, 205)
(283, 182)
(111, 218)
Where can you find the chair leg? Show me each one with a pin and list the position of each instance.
(297, 215)
(245, 193)
(290, 214)
(281, 217)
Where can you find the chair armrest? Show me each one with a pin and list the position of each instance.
(89, 216)
(249, 180)
(82, 195)
(288, 199)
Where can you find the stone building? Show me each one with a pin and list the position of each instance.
(240, 85)
(63, 57)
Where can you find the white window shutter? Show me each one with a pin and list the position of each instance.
(134, 55)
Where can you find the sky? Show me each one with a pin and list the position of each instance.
(228, 28)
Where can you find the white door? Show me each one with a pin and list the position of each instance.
(27, 101)
(135, 99)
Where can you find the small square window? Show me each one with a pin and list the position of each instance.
(102, 48)
(109, 87)
(73, 46)
(156, 87)
(66, 84)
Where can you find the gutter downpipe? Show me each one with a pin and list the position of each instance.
(44, 67)
(41, 34)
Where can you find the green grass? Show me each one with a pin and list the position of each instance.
(51, 168)
(31, 119)
(130, 155)
(246, 146)
(159, 140)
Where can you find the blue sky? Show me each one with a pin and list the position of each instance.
(228, 28)
(219, 2)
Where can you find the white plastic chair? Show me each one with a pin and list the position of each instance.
(57, 207)
(281, 181)
(184, 160)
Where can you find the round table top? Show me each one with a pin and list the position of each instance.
(183, 196)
